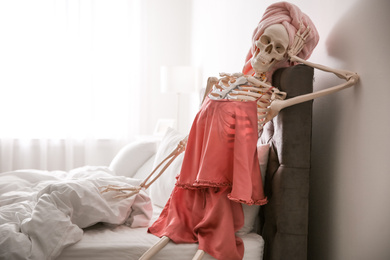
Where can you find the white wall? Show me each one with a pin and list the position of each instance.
(350, 199)
(350, 179)
(166, 28)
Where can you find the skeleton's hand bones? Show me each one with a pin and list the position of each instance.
(126, 192)
(299, 41)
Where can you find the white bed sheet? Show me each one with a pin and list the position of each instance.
(43, 212)
(121, 242)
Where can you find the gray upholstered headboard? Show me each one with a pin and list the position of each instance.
(285, 217)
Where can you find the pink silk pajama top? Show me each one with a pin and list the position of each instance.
(220, 170)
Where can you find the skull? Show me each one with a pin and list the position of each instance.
(271, 48)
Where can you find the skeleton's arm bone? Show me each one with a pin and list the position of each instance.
(351, 77)
(280, 104)
(179, 149)
(145, 184)
(343, 74)
(210, 82)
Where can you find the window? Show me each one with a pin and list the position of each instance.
(69, 69)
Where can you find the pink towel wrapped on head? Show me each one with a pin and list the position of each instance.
(291, 17)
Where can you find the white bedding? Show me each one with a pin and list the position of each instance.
(31, 228)
(122, 242)
(43, 212)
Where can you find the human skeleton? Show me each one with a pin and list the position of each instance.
(272, 47)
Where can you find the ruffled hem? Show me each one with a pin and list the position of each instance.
(203, 184)
(249, 202)
(209, 184)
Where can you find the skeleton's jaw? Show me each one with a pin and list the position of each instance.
(261, 65)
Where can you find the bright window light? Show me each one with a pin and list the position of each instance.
(67, 68)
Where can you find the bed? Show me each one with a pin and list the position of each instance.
(275, 231)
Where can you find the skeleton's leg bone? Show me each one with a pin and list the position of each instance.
(155, 248)
(199, 255)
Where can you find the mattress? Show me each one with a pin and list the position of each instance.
(103, 241)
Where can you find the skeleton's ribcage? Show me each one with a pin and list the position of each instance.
(241, 90)
(261, 103)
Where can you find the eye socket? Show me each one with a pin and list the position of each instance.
(265, 39)
(279, 49)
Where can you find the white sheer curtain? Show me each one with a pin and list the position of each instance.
(69, 77)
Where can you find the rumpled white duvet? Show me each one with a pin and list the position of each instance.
(42, 212)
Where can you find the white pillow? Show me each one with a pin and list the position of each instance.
(161, 189)
(251, 212)
(145, 169)
(262, 153)
(132, 156)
